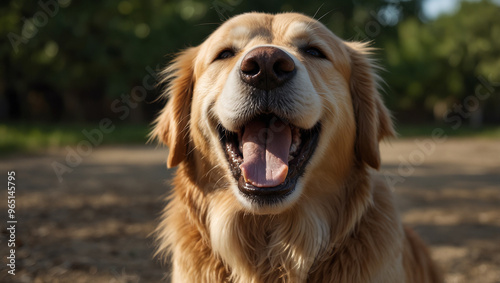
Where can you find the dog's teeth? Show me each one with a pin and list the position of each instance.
(295, 140)
(290, 158)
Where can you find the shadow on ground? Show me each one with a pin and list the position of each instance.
(95, 225)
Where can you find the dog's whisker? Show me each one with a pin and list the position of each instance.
(192, 150)
(217, 182)
(317, 11)
(212, 169)
(319, 19)
(330, 111)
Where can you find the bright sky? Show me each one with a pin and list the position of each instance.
(433, 8)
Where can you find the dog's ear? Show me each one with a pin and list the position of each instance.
(373, 120)
(172, 125)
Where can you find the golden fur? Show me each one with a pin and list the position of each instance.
(342, 227)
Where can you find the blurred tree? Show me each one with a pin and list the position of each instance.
(89, 53)
(441, 65)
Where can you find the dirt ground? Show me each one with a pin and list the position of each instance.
(94, 226)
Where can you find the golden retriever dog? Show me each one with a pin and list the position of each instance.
(274, 125)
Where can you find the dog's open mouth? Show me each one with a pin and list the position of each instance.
(268, 155)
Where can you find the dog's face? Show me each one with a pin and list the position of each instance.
(269, 108)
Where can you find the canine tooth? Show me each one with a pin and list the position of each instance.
(290, 158)
(293, 148)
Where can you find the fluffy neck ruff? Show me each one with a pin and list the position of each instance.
(242, 247)
(280, 248)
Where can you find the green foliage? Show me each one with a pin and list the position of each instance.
(37, 137)
(443, 60)
(106, 45)
(418, 130)
(41, 137)
(99, 50)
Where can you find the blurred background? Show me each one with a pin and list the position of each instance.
(69, 62)
(77, 98)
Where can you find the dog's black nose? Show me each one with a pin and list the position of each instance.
(267, 68)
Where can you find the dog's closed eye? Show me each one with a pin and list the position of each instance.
(314, 52)
(225, 54)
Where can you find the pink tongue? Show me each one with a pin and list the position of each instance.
(265, 152)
